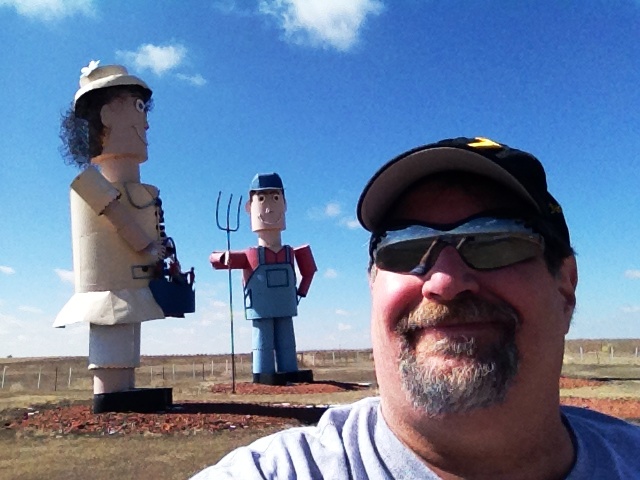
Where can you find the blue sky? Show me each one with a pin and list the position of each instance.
(322, 92)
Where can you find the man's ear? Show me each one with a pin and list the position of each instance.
(247, 206)
(567, 283)
(373, 271)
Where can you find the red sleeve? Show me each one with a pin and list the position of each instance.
(306, 266)
(238, 259)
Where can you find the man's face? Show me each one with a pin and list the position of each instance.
(457, 339)
(125, 121)
(267, 210)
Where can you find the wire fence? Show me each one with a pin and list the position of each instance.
(73, 374)
(603, 352)
(58, 374)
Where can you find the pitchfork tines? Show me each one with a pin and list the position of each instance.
(227, 227)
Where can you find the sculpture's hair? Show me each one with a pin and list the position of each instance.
(81, 128)
(74, 134)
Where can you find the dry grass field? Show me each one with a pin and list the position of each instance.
(41, 381)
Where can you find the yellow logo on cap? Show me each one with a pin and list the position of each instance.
(555, 208)
(484, 143)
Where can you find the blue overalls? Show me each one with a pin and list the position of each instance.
(270, 301)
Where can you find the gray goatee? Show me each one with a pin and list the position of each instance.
(480, 380)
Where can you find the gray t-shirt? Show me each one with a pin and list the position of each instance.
(354, 442)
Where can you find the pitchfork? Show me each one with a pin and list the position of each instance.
(228, 228)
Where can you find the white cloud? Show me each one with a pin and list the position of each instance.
(344, 327)
(631, 309)
(342, 313)
(633, 274)
(65, 275)
(181, 331)
(9, 320)
(158, 58)
(196, 80)
(231, 7)
(323, 23)
(332, 209)
(3, 268)
(47, 10)
(350, 223)
(28, 309)
(330, 273)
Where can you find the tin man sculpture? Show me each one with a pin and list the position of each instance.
(271, 292)
(119, 243)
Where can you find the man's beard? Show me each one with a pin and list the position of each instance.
(482, 374)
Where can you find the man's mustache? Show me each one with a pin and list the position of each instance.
(460, 311)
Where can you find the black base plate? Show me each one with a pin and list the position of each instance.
(140, 400)
(282, 378)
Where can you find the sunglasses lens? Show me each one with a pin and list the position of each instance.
(481, 253)
(402, 257)
(491, 253)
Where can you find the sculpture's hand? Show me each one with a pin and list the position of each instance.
(156, 249)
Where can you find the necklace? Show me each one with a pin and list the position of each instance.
(153, 201)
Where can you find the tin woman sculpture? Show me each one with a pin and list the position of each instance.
(119, 243)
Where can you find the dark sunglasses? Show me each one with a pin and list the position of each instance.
(485, 243)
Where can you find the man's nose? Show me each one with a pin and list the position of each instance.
(449, 277)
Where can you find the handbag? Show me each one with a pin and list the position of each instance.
(173, 289)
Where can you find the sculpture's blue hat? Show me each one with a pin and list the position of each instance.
(266, 181)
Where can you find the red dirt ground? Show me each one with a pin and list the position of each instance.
(192, 418)
(298, 388)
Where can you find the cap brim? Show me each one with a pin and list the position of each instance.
(393, 179)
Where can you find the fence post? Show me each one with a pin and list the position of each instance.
(193, 369)
(4, 370)
(162, 372)
(636, 352)
(173, 370)
(226, 366)
(212, 368)
(69, 382)
(581, 353)
(203, 372)
(611, 349)
(55, 384)
(39, 376)
(150, 374)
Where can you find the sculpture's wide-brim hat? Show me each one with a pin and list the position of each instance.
(104, 77)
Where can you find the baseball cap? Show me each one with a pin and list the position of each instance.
(266, 181)
(517, 170)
